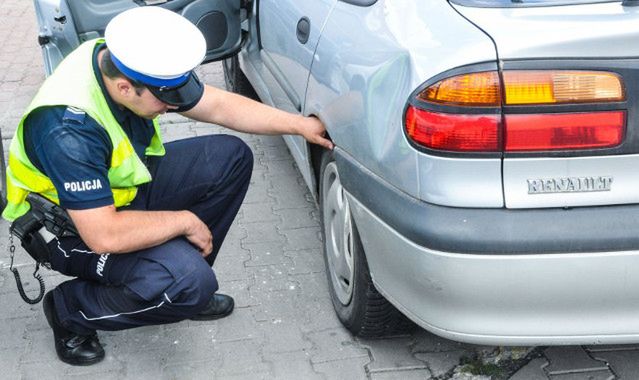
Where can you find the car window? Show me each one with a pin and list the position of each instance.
(525, 3)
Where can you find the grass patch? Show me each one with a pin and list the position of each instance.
(477, 367)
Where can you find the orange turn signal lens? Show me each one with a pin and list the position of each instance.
(523, 87)
(557, 86)
(475, 89)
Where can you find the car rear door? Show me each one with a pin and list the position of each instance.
(64, 24)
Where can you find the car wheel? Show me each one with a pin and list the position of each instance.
(358, 304)
(235, 80)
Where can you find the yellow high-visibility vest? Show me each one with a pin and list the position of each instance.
(74, 84)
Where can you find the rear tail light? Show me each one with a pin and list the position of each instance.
(474, 112)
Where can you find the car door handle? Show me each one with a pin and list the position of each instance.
(303, 29)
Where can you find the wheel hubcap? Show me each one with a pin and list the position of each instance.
(339, 234)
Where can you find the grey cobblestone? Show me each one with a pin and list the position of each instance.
(302, 238)
(425, 341)
(285, 337)
(624, 362)
(10, 357)
(534, 370)
(305, 261)
(296, 218)
(273, 279)
(591, 375)
(259, 213)
(269, 253)
(236, 270)
(440, 363)
(258, 189)
(392, 355)
(202, 369)
(242, 358)
(277, 170)
(571, 359)
(273, 307)
(270, 141)
(333, 345)
(242, 327)
(240, 291)
(351, 368)
(285, 173)
(284, 198)
(292, 365)
(261, 233)
(417, 374)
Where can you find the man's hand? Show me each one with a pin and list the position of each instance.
(313, 130)
(199, 235)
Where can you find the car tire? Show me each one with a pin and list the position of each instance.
(358, 304)
(235, 80)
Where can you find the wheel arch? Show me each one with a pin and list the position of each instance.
(315, 153)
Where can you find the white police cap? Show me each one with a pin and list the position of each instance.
(158, 48)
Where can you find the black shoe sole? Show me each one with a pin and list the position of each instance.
(81, 363)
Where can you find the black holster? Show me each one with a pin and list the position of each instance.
(43, 215)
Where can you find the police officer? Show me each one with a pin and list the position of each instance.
(151, 216)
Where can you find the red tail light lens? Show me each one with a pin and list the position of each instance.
(474, 123)
(452, 132)
(564, 131)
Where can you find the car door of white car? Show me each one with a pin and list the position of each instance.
(64, 24)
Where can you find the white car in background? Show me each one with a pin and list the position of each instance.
(485, 178)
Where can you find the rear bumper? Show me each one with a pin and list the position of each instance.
(535, 299)
(513, 294)
(492, 230)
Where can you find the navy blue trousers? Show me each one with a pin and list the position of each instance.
(171, 282)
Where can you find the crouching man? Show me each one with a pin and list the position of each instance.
(151, 217)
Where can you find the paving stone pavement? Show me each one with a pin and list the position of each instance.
(283, 326)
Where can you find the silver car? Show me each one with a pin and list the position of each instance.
(484, 181)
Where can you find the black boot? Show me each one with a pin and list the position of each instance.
(72, 348)
(218, 307)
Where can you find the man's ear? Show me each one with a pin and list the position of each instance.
(124, 87)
